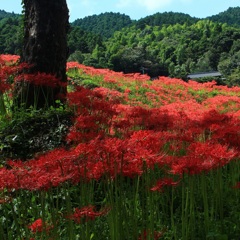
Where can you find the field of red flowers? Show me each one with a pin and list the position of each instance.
(143, 160)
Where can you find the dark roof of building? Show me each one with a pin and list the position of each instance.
(204, 74)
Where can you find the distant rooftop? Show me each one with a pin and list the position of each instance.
(204, 74)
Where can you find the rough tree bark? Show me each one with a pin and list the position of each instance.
(45, 45)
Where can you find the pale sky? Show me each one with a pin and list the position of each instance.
(136, 9)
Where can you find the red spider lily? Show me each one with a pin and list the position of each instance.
(6, 71)
(202, 157)
(113, 156)
(80, 98)
(5, 199)
(112, 95)
(146, 234)
(36, 226)
(219, 154)
(9, 58)
(41, 79)
(39, 226)
(237, 185)
(187, 164)
(47, 171)
(94, 115)
(87, 213)
(214, 117)
(86, 122)
(4, 86)
(227, 133)
(87, 161)
(161, 183)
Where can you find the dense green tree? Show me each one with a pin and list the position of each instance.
(77, 56)
(229, 63)
(81, 40)
(234, 78)
(203, 63)
(10, 35)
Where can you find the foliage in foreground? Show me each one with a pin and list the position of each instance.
(142, 160)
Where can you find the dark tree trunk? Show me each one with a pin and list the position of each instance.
(45, 46)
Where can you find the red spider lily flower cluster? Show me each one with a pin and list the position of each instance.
(5, 199)
(169, 126)
(10, 67)
(108, 155)
(111, 138)
(147, 235)
(161, 183)
(87, 213)
(202, 157)
(39, 225)
(237, 186)
(41, 79)
(109, 75)
(9, 58)
(7, 68)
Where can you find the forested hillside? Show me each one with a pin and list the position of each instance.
(169, 44)
(4, 14)
(231, 16)
(104, 24)
(83, 41)
(176, 50)
(166, 18)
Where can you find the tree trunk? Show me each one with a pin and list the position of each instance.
(45, 48)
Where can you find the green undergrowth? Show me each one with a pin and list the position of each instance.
(29, 132)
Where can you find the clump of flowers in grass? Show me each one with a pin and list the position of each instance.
(86, 213)
(142, 160)
(39, 226)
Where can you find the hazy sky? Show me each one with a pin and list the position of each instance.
(135, 8)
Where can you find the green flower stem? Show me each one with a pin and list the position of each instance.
(2, 105)
(204, 192)
(219, 195)
(70, 227)
(173, 227)
(16, 222)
